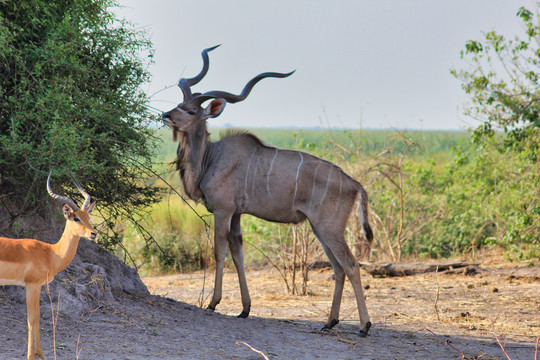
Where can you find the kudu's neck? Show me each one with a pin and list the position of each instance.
(193, 154)
(65, 249)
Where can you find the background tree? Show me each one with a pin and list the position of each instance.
(502, 83)
(70, 99)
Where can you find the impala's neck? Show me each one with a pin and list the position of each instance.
(193, 158)
(65, 249)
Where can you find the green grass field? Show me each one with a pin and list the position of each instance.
(366, 142)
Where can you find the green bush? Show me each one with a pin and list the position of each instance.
(70, 100)
(484, 197)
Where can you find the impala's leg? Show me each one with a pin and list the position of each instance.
(341, 252)
(32, 308)
(37, 337)
(221, 231)
(237, 252)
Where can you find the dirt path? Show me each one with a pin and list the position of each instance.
(469, 311)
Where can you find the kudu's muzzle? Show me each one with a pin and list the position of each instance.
(166, 117)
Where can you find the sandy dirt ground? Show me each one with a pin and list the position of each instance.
(430, 316)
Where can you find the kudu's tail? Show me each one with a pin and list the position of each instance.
(363, 214)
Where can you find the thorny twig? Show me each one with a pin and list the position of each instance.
(438, 293)
(276, 266)
(499, 342)
(253, 349)
(206, 224)
(79, 348)
(158, 176)
(449, 343)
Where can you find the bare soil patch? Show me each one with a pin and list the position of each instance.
(409, 320)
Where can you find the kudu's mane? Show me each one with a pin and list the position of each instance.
(191, 173)
(233, 132)
(242, 132)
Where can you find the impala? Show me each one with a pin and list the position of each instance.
(32, 263)
(242, 175)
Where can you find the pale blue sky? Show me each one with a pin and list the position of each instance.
(359, 63)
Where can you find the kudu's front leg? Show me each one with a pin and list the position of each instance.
(237, 252)
(221, 232)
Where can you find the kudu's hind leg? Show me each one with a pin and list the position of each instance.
(221, 231)
(342, 254)
(237, 252)
(339, 274)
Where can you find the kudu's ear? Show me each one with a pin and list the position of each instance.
(215, 108)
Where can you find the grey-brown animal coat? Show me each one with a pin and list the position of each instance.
(241, 175)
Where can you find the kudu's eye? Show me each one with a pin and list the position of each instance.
(76, 219)
(191, 112)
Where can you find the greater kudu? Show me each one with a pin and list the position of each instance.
(242, 175)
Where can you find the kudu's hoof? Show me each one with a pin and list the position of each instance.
(364, 333)
(331, 325)
(212, 308)
(243, 315)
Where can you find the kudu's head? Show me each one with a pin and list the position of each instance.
(78, 219)
(190, 112)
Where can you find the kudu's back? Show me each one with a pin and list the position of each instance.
(282, 185)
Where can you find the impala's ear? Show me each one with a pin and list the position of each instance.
(215, 108)
(67, 211)
(91, 208)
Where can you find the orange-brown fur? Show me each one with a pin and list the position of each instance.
(32, 263)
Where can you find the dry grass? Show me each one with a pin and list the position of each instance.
(482, 305)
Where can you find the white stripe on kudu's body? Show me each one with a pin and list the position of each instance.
(247, 174)
(296, 180)
(269, 172)
(327, 184)
(286, 186)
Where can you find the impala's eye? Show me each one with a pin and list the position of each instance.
(191, 112)
(76, 219)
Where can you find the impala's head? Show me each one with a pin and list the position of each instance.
(191, 112)
(78, 219)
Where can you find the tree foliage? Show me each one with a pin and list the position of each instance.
(70, 99)
(502, 82)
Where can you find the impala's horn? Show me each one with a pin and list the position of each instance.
(87, 198)
(71, 203)
(68, 201)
